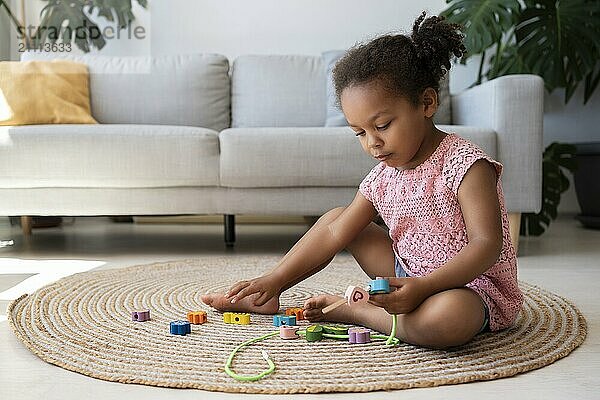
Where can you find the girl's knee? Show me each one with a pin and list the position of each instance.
(332, 214)
(444, 324)
(438, 333)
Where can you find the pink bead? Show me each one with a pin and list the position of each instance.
(288, 332)
(356, 295)
(140, 316)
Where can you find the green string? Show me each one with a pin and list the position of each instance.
(249, 378)
(391, 340)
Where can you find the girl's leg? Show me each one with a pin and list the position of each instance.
(221, 303)
(372, 249)
(446, 319)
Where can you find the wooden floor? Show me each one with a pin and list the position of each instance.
(565, 260)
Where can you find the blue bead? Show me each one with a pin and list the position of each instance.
(378, 286)
(180, 328)
(289, 320)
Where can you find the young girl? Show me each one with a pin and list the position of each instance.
(448, 253)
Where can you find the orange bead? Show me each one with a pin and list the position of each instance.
(196, 317)
(297, 311)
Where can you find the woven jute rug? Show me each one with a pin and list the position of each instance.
(83, 323)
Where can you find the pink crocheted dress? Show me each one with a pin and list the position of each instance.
(420, 207)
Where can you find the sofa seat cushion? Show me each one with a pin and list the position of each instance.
(301, 157)
(290, 157)
(116, 156)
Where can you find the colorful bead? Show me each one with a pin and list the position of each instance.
(379, 286)
(279, 320)
(140, 316)
(296, 311)
(288, 332)
(314, 333)
(236, 318)
(196, 317)
(180, 328)
(335, 330)
(359, 335)
(356, 295)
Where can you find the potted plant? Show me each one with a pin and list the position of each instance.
(75, 19)
(559, 41)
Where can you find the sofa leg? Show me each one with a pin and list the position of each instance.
(514, 224)
(26, 222)
(229, 221)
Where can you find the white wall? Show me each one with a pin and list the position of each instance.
(234, 27)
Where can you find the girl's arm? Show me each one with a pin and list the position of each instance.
(478, 199)
(316, 247)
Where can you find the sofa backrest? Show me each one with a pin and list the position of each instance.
(278, 91)
(190, 90)
(291, 91)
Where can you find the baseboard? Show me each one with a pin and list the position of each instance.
(218, 219)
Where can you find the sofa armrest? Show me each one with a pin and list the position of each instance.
(513, 106)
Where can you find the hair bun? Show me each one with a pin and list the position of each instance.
(436, 41)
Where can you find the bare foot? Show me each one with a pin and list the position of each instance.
(219, 302)
(314, 305)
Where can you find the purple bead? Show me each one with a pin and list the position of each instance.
(359, 335)
(140, 316)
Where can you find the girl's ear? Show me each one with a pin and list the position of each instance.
(430, 102)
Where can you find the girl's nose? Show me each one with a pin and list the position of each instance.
(373, 141)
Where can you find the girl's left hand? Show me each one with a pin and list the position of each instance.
(409, 293)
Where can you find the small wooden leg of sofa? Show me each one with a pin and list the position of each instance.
(229, 222)
(514, 223)
(26, 222)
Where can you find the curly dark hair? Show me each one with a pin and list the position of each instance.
(404, 65)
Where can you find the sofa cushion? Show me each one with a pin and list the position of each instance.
(108, 156)
(288, 157)
(335, 116)
(296, 157)
(191, 90)
(59, 93)
(278, 91)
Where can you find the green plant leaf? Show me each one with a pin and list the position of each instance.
(484, 21)
(591, 83)
(77, 25)
(560, 41)
(558, 158)
(508, 61)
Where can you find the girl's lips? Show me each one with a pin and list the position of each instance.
(383, 157)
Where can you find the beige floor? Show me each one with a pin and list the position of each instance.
(565, 260)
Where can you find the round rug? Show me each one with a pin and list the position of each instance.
(83, 323)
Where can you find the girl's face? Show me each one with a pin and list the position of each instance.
(390, 129)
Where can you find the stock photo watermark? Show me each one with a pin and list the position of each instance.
(62, 39)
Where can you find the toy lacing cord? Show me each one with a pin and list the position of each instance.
(247, 378)
(391, 340)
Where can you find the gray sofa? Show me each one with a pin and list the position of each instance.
(190, 135)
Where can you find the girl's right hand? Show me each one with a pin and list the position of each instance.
(266, 286)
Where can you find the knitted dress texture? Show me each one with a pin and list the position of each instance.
(421, 209)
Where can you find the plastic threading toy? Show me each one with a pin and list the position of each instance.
(391, 340)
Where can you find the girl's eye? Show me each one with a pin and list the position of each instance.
(360, 133)
(384, 127)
